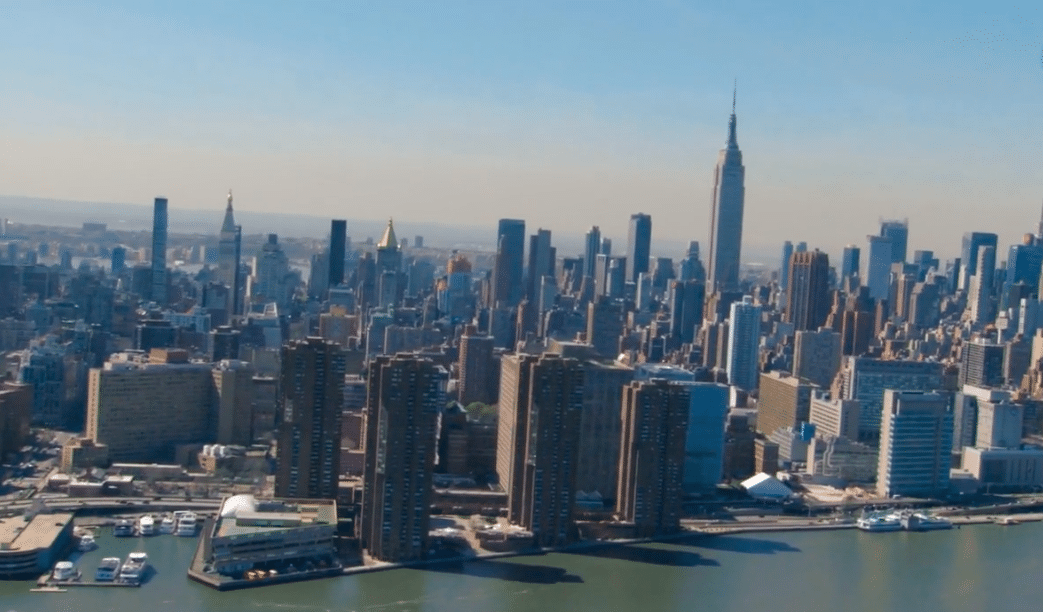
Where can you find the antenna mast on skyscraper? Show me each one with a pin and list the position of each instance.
(735, 88)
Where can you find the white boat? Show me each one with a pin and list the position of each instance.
(920, 521)
(108, 569)
(64, 570)
(87, 542)
(186, 524)
(134, 568)
(1007, 520)
(877, 522)
(167, 525)
(146, 526)
(123, 528)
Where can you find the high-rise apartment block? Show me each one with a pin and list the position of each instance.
(311, 394)
(652, 454)
(478, 372)
(541, 461)
(405, 396)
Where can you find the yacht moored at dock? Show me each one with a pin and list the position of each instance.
(87, 543)
(65, 571)
(124, 528)
(879, 522)
(108, 569)
(146, 526)
(133, 569)
(186, 524)
(167, 525)
(920, 521)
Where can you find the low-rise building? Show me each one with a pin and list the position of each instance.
(251, 533)
(1001, 467)
(29, 547)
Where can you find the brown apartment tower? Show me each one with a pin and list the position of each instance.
(552, 450)
(403, 401)
(310, 398)
(651, 458)
(807, 296)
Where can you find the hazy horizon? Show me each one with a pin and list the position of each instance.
(565, 115)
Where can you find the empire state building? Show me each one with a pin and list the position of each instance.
(726, 220)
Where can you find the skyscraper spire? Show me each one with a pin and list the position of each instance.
(228, 227)
(1039, 231)
(735, 89)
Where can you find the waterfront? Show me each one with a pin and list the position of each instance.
(969, 569)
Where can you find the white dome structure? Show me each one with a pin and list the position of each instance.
(236, 503)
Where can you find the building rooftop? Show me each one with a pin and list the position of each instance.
(16, 534)
(245, 514)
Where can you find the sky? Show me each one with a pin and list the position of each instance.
(565, 114)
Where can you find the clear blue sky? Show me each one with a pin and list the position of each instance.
(566, 114)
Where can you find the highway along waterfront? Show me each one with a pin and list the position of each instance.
(959, 570)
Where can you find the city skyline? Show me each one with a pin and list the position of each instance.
(392, 112)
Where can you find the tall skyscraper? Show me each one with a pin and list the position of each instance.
(229, 254)
(915, 444)
(878, 268)
(807, 296)
(159, 251)
(541, 263)
(652, 455)
(338, 245)
(552, 450)
(744, 343)
(404, 398)
(507, 287)
(311, 383)
(787, 253)
(592, 247)
(979, 298)
(972, 242)
(729, 193)
(898, 233)
(849, 262)
(639, 243)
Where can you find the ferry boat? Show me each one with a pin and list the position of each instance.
(87, 543)
(108, 569)
(186, 524)
(167, 525)
(123, 529)
(878, 522)
(133, 569)
(920, 521)
(65, 571)
(146, 526)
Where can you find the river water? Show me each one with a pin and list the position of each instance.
(978, 568)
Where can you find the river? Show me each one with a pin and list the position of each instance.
(971, 569)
